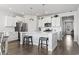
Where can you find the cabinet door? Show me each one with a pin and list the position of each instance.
(13, 23)
(13, 36)
(40, 23)
(43, 21)
(10, 21)
(56, 21)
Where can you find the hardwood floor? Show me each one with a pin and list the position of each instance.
(64, 47)
(16, 49)
(67, 47)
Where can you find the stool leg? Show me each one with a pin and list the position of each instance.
(23, 40)
(46, 43)
(28, 41)
(32, 41)
(41, 43)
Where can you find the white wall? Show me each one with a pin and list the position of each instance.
(75, 27)
(77, 22)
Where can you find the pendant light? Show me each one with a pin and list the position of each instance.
(43, 10)
(31, 14)
(43, 5)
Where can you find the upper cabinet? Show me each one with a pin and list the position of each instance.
(44, 20)
(10, 21)
(2, 18)
(56, 21)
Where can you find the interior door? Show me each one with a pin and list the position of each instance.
(68, 27)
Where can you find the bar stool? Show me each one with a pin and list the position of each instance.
(41, 40)
(24, 39)
(27, 40)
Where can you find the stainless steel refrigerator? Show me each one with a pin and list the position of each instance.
(21, 27)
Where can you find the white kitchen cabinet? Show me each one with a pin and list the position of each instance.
(2, 17)
(40, 23)
(43, 21)
(56, 21)
(13, 36)
(47, 20)
(10, 21)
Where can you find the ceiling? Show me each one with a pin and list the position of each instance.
(37, 9)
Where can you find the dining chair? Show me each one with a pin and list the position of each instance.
(3, 43)
(1, 38)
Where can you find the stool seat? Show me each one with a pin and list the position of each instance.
(25, 36)
(42, 40)
(29, 36)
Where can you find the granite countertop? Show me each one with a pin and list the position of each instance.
(40, 32)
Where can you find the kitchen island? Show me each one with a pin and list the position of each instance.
(52, 38)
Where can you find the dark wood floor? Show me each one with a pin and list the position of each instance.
(64, 47)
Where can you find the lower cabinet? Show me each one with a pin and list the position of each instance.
(13, 36)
